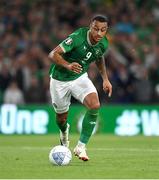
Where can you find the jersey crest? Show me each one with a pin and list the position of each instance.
(68, 41)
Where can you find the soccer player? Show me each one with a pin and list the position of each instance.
(71, 59)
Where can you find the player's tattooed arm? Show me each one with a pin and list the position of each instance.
(107, 87)
(56, 56)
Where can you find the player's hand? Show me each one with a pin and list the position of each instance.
(75, 67)
(107, 87)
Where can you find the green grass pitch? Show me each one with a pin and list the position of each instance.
(26, 156)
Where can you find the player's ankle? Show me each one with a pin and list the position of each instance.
(81, 144)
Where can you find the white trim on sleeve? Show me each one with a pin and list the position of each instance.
(62, 48)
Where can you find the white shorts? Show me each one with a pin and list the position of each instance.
(61, 91)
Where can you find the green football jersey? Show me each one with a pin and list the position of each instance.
(77, 48)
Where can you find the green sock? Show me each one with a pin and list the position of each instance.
(62, 126)
(88, 125)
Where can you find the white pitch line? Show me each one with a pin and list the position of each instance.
(89, 149)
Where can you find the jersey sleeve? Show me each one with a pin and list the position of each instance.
(106, 43)
(105, 46)
(71, 42)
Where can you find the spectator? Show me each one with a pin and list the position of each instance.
(35, 94)
(13, 95)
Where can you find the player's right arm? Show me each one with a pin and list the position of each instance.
(66, 46)
(56, 56)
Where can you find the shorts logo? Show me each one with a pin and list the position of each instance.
(68, 41)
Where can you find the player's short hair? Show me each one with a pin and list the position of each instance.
(100, 18)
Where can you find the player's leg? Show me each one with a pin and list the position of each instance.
(85, 92)
(91, 101)
(61, 120)
(61, 96)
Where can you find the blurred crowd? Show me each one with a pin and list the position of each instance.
(30, 29)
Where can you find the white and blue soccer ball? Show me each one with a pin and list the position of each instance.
(60, 155)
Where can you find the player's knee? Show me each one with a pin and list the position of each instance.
(95, 105)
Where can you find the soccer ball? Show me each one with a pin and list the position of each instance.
(60, 155)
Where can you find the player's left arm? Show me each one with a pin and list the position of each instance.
(107, 87)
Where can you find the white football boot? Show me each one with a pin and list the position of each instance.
(64, 140)
(80, 152)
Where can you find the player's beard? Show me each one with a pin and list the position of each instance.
(98, 38)
(94, 39)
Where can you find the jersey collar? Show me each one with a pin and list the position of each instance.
(88, 40)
